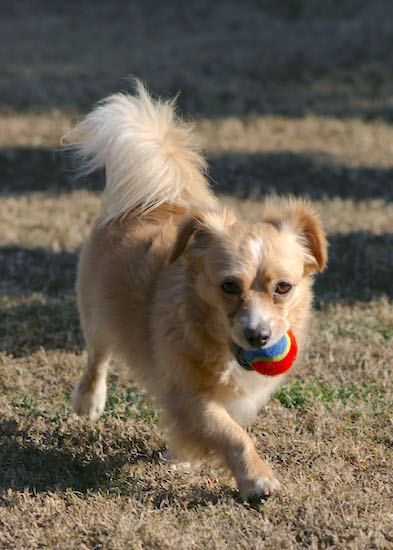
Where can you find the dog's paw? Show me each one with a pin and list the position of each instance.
(89, 404)
(175, 463)
(259, 488)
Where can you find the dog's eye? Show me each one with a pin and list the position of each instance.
(229, 286)
(283, 288)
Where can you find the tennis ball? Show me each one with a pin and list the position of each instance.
(272, 360)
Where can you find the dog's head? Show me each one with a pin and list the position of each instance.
(255, 277)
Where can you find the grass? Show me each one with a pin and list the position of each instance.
(290, 97)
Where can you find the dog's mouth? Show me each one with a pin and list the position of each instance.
(239, 354)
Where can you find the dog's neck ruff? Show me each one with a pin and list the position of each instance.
(272, 360)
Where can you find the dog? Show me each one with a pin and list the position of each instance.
(172, 284)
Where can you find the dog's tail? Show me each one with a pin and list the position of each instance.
(149, 154)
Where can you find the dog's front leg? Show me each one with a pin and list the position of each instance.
(209, 425)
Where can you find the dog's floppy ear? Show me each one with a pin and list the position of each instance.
(202, 226)
(299, 217)
(186, 229)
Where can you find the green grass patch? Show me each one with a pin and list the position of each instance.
(295, 393)
(130, 403)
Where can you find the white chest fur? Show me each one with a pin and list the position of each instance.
(251, 391)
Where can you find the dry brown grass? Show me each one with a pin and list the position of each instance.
(290, 110)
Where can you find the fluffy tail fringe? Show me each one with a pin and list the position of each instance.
(150, 156)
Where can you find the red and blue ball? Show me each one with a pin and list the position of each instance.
(272, 360)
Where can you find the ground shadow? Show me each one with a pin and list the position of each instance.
(196, 497)
(29, 270)
(49, 323)
(42, 169)
(227, 58)
(63, 460)
(89, 460)
(359, 270)
(242, 175)
(39, 309)
(259, 174)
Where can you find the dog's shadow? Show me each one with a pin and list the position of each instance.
(75, 460)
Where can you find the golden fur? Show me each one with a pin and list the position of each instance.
(150, 283)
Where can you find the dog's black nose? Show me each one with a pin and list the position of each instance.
(257, 337)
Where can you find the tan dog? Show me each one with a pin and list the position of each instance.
(168, 282)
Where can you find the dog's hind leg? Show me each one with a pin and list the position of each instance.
(89, 395)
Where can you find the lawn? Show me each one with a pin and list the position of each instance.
(290, 97)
